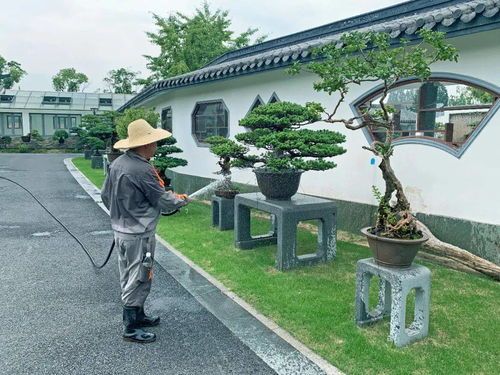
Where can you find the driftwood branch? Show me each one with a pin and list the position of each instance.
(456, 257)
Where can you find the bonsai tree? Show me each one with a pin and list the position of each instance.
(162, 160)
(60, 135)
(274, 128)
(284, 150)
(95, 144)
(99, 126)
(226, 150)
(370, 57)
(35, 134)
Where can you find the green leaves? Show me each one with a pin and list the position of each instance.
(69, 80)
(121, 81)
(10, 73)
(188, 43)
(275, 130)
(162, 159)
(132, 114)
(282, 115)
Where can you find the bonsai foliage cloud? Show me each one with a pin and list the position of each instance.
(370, 57)
(275, 129)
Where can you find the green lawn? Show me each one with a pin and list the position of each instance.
(94, 175)
(316, 304)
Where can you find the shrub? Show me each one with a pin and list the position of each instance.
(132, 114)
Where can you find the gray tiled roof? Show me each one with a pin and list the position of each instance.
(454, 17)
(80, 101)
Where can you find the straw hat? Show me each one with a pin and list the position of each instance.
(140, 133)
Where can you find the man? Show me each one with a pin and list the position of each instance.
(134, 194)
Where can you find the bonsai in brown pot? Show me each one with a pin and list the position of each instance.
(226, 150)
(372, 57)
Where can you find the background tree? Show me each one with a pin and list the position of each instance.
(69, 80)
(121, 81)
(188, 43)
(10, 73)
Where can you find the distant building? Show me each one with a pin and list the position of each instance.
(47, 111)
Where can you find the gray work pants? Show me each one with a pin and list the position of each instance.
(135, 278)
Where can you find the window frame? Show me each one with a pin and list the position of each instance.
(13, 126)
(165, 109)
(193, 120)
(428, 141)
(275, 97)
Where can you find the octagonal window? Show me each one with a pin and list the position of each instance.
(210, 118)
(447, 112)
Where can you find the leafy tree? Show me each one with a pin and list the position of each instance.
(101, 126)
(370, 57)
(10, 73)
(163, 160)
(470, 96)
(132, 114)
(188, 43)
(275, 129)
(69, 80)
(121, 81)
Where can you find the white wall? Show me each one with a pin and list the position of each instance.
(436, 182)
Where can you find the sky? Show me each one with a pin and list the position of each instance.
(95, 36)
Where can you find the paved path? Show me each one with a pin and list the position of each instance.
(59, 316)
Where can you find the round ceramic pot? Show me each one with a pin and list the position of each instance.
(393, 252)
(278, 185)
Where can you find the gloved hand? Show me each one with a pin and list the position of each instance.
(184, 197)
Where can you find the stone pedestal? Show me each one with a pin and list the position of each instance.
(287, 215)
(222, 213)
(394, 287)
(97, 162)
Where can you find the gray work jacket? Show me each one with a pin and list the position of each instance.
(134, 196)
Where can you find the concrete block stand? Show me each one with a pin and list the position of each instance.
(287, 215)
(222, 213)
(395, 285)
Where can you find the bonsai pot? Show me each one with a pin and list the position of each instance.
(113, 155)
(229, 194)
(87, 154)
(26, 138)
(393, 252)
(280, 185)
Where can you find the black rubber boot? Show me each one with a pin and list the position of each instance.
(132, 331)
(146, 321)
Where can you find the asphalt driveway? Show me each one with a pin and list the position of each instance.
(59, 316)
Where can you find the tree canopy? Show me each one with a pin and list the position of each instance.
(69, 80)
(188, 43)
(10, 73)
(121, 81)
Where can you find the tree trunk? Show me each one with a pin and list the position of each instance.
(392, 183)
(457, 258)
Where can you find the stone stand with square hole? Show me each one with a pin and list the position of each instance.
(394, 286)
(222, 213)
(287, 215)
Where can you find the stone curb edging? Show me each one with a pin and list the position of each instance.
(268, 352)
